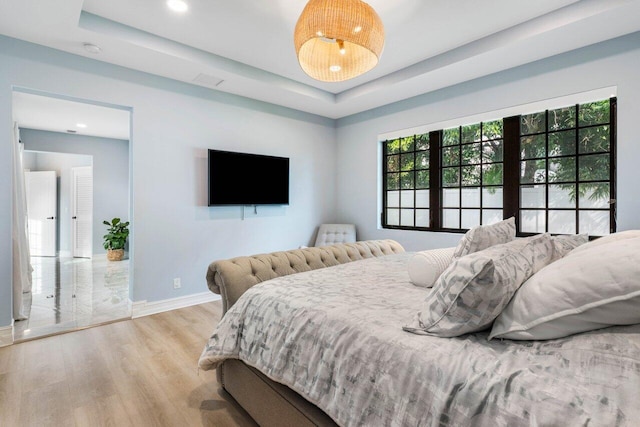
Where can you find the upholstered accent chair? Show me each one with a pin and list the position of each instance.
(330, 234)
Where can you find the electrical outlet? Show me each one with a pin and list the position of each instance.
(176, 283)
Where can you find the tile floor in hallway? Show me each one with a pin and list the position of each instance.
(72, 293)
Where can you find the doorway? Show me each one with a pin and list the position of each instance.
(77, 165)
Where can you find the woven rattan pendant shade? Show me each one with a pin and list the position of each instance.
(337, 40)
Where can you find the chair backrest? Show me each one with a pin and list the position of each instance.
(329, 234)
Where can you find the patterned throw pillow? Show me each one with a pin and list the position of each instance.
(565, 243)
(475, 289)
(484, 236)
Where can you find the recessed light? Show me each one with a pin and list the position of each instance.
(335, 68)
(81, 125)
(177, 5)
(92, 48)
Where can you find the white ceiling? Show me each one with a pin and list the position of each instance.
(430, 44)
(60, 115)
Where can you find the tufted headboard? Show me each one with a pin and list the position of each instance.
(232, 277)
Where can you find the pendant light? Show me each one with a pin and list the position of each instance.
(337, 40)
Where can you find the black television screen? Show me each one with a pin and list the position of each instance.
(247, 179)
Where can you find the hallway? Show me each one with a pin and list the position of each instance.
(72, 293)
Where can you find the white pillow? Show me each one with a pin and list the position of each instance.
(474, 289)
(484, 236)
(592, 287)
(426, 266)
(620, 235)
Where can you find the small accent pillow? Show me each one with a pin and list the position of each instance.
(565, 243)
(474, 289)
(592, 287)
(484, 236)
(426, 266)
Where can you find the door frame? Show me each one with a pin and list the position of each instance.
(130, 110)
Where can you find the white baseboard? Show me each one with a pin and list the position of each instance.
(6, 335)
(144, 308)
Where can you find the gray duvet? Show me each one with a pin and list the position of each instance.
(334, 335)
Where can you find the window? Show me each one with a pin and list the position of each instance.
(565, 170)
(406, 181)
(553, 170)
(472, 175)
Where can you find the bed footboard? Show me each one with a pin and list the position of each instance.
(232, 277)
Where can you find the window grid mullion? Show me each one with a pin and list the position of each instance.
(613, 110)
(415, 181)
(460, 178)
(385, 174)
(481, 170)
(435, 184)
(546, 173)
(577, 175)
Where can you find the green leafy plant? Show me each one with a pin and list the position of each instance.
(117, 234)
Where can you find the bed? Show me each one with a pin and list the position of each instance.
(319, 336)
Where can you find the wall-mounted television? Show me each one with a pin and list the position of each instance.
(247, 179)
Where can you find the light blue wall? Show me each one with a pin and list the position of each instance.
(110, 172)
(6, 168)
(175, 234)
(612, 63)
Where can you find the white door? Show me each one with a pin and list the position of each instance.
(81, 211)
(41, 212)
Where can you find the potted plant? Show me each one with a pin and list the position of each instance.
(115, 239)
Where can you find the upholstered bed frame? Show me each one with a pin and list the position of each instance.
(268, 402)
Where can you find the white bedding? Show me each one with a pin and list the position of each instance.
(334, 335)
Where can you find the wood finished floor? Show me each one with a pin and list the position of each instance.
(140, 372)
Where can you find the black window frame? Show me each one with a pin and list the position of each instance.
(481, 162)
(385, 177)
(511, 174)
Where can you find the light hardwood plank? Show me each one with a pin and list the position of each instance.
(43, 364)
(104, 412)
(10, 398)
(49, 405)
(140, 372)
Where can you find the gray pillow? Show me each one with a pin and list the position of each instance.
(474, 289)
(565, 243)
(484, 236)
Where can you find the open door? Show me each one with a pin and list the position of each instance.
(82, 211)
(41, 212)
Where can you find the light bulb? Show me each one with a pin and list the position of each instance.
(177, 5)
